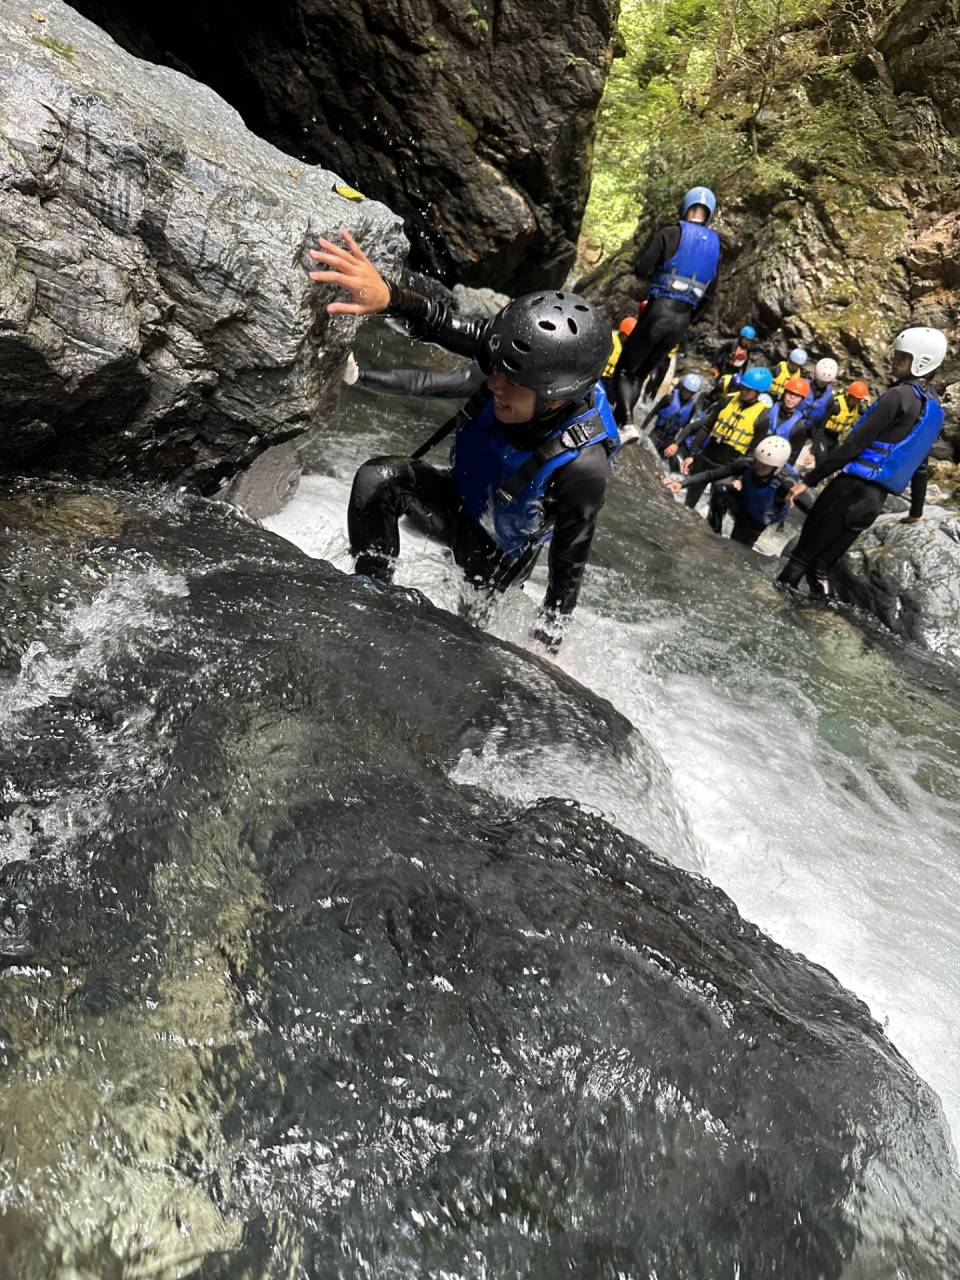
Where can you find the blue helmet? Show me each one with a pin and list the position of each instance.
(798, 356)
(758, 379)
(748, 331)
(699, 195)
(692, 382)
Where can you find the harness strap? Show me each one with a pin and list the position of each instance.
(576, 436)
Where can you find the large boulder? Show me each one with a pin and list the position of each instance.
(284, 998)
(474, 120)
(155, 318)
(909, 576)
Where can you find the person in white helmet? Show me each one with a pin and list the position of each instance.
(819, 403)
(752, 489)
(884, 453)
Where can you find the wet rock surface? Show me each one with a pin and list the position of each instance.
(155, 319)
(474, 121)
(909, 576)
(279, 994)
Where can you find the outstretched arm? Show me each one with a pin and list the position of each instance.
(430, 321)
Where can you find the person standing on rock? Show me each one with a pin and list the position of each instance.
(531, 448)
(726, 432)
(884, 453)
(681, 261)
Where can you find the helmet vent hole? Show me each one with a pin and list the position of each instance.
(536, 301)
(510, 364)
(560, 296)
(580, 307)
(573, 325)
(522, 347)
(547, 324)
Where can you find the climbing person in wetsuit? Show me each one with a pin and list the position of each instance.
(620, 335)
(735, 355)
(786, 416)
(784, 370)
(727, 431)
(752, 489)
(681, 262)
(673, 411)
(531, 448)
(886, 451)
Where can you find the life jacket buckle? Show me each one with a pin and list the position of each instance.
(576, 436)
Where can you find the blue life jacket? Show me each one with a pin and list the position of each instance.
(763, 501)
(784, 426)
(672, 417)
(687, 274)
(484, 462)
(892, 465)
(815, 406)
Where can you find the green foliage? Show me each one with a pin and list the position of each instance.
(732, 93)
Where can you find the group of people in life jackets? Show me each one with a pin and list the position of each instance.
(532, 444)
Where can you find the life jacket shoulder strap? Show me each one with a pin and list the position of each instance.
(576, 435)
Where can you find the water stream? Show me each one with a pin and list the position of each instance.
(812, 761)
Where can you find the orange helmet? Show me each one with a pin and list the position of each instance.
(799, 386)
(627, 325)
(859, 390)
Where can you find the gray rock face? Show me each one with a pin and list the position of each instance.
(909, 576)
(474, 120)
(154, 315)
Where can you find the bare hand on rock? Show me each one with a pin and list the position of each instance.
(352, 271)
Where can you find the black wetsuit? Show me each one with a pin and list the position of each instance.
(386, 488)
(726, 361)
(454, 384)
(659, 329)
(715, 453)
(823, 440)
(849, 504)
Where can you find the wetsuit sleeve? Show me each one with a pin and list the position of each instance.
(704, 427)
(454, 384)
(918, 489)
(734, 468)
(431, 320)
(880, 420)
(577, 496)
(660, 247)
(661, 404)
(761, 429)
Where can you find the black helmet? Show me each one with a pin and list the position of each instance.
(553, 343)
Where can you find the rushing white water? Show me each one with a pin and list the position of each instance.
(812, 768)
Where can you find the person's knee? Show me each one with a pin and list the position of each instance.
(377, 475)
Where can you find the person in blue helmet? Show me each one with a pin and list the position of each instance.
(680, 262)
(531, 450)
(671, 413)
(734, 356)
(884, 453)
(727, 431)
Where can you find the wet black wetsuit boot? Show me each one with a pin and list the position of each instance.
(791, 573)
(818, 582)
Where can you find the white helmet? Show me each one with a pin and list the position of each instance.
(826, 370)
(927, 346)
(772, 451)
